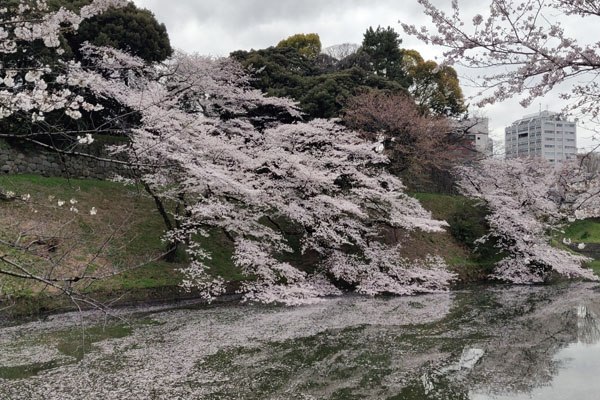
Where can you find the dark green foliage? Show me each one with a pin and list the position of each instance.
(383, 48)
(278, 71)
(468, 224)
(321, 84)
(325, 95)
(130, 28)
(317, 84)
(359, 59)
(325, 63)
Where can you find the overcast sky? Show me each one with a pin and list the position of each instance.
(218, 27)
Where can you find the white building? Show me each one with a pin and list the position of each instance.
(475, 142)
(545, 134)
(481, 133)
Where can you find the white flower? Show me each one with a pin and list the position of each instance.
(566, 241)
(581, 246)
(88, 139)
(60, 203)
(32, 76)
(73, 201)
(93, 211)
(26, 197)
(379, 148)
(9, 82)
(10, 194)
(73, 209)
(74, 114)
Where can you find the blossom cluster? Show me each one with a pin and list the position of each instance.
(36, 89)
(529, 201)
(522, 48)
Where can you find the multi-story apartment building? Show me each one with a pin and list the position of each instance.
(546, 134)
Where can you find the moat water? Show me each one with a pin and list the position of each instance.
(483, 343)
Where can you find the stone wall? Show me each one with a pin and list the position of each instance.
(23, 158)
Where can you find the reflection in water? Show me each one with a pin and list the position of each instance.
(588, 330)
(484, 343)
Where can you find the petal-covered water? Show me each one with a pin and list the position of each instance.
(482, 343)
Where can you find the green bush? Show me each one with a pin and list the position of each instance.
(468, 224)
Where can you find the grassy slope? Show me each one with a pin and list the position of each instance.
(141, 229)
(469, 264)
(586, 231)
(124, 214)
(118, 208)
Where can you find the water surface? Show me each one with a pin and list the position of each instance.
(483, 343)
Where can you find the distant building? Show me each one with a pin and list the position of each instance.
(546, 134)
(476, 142)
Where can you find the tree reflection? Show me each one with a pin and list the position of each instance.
(489, 341)
(527, 327)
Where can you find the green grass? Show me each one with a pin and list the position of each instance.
(442, 206)
(466, 218)
(582, 231)
(57, 186)
(121, 209)
(586, 231)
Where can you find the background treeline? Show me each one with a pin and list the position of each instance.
(322, 81)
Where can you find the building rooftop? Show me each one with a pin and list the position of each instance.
(539, 115)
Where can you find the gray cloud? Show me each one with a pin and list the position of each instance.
(220, 27)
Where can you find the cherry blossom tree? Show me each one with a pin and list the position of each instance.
(522, 48)
(43, 97)
(215, 146)
(529, 201)
(231, 159)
